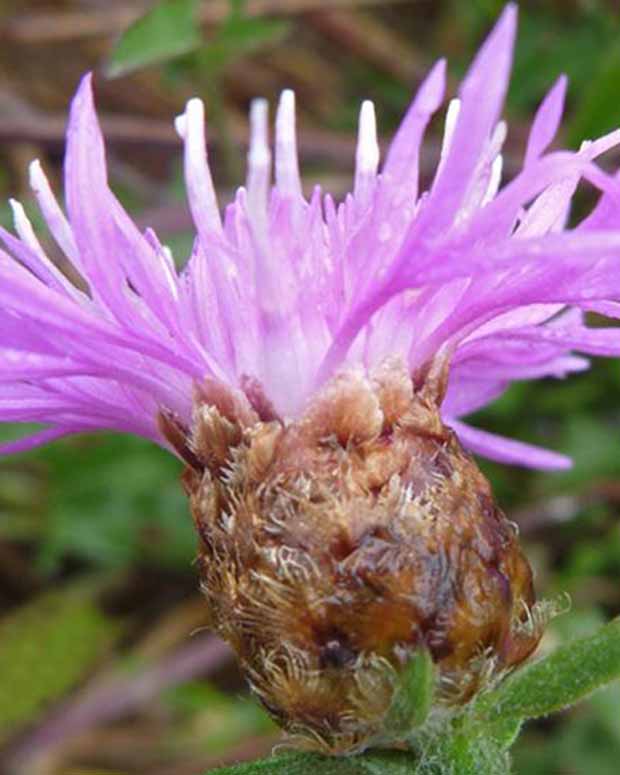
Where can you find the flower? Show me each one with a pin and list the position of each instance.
(311, 364)
(287, 292)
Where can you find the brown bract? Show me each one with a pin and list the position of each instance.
(334, 546)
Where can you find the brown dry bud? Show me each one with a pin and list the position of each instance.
(334, 546)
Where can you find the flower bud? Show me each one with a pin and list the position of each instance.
(335, 546)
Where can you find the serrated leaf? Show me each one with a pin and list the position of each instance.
(46, 647)
(168, 30)
(414, 695)
(561, 679)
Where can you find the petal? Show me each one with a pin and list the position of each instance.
(482, 96)
(508, 450)
(38, 439)
(466, 395)
(546, 121)
(402, 160)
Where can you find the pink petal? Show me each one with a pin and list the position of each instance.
(508, 450)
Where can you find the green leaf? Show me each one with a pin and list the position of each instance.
(586, 742)
(561, 679)
(503, 733)
(371, 763)
(465, 753)
(167, 31)
(453, 755)
(46, 647)
(414, 696)
(92, 498)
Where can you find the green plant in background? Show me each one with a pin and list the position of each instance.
(46, 649)
(132, 521)
(171, 29)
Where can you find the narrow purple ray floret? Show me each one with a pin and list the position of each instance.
(288, 291)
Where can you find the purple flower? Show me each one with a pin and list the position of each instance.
(285, 292)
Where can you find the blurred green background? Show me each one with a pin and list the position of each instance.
(105, 663)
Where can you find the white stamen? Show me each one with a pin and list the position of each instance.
(487, 175)
(367, 153)
(25, 232)
(23, 227)
(167, 254)
(166, 259)
(367, 156)
(259, 156)
(54, 216)
(550, 210)
(498, 138)
(602, 144)
(452, 114)
(287, 164)
(259, 153)
(201, 192)
(494, 180)
(180, 125)
(167, 263)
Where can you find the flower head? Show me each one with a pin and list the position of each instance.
(284, 292)
(311, 364)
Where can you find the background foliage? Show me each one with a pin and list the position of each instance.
(98, 597)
